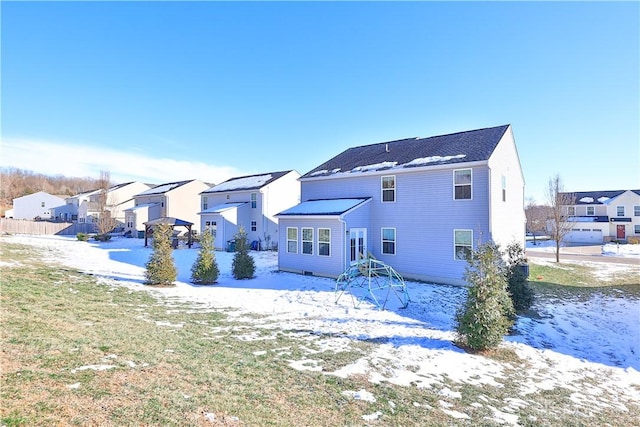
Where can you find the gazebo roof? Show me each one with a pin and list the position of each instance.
(168, 220)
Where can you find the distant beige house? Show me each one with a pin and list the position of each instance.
(250, 201)
(179, 200)
(602, 216)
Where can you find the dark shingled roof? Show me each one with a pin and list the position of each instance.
(461, 147)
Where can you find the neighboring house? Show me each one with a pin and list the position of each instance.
(37, 205)
(419, 204)
(179, 200)
(69, 211)
(603, 216)
(251, 201)
(119, 198)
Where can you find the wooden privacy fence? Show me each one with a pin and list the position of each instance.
(23, 226)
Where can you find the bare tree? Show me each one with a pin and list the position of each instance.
(106, 218)
(558, 224)
(536, 216)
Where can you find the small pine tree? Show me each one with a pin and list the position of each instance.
(519, 289)
(487, 313)
(205, 269)
(243, 265)
(161, 270)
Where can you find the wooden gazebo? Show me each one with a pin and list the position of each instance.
(174, 222)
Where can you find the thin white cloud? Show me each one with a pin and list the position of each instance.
(75, 160)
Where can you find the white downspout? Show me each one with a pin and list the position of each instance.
(344, 245)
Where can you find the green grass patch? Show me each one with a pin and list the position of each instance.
(174, 364)
(584, 275)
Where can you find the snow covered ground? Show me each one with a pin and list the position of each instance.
(588, 343)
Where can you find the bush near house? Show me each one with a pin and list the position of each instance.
(487, 313)
(161, 270)
(205, 269)
(243, 264)
(518, 285)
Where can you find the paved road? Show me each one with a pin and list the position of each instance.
(582, 253)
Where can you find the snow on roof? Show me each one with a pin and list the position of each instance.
(246, 182)
(587, 200)
(222, 208)
(162, 188)
(325, 172)
(324, 207)
(376, 166)
(433, 159)
(603, 199)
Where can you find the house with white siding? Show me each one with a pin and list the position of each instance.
(179, 200)
(250, 201)
(36, 205)
(119, 198)
(418, 204)
(603, 216)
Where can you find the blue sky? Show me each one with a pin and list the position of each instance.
(160, 91)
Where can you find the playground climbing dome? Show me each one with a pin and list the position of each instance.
(372, 280)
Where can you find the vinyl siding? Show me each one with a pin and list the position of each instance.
(424, 216)
(507, 217)
(330, 266)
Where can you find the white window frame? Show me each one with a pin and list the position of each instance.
(321, 241)
(384, 189)
(309, 245)
(455, 244)
(618, 208)
(636, 210)
(504, 188)
(205, 203)
(254, 200)
(254, 225)
(636, 229)
(592, 209)
(383, 241)
(289, 240)
(470, 184)
(571, 210)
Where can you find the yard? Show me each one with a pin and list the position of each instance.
(84, 342)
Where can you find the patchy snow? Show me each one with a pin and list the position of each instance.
(603, 199)
(375, 166)
(587, 200)
(608, 249)
(323, 207)
(433, 159)
(587, 342)
(243, 183)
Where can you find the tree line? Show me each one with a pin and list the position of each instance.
(16, 183)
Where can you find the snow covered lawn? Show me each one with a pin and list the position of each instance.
(587, 343)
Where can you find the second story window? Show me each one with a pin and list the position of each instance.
(591, 211)
(636, 211)
(619, 210)
(254, 200)
(462, 182)
(389, 188)
(571, 211)
(504, 188)
(205, 203)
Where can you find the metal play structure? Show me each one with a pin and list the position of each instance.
(372, 279)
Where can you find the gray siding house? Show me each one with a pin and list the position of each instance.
(250, 201)
(418, 204)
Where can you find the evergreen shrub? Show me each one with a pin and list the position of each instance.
(205, 269)
(161, 270)
(243, 265)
